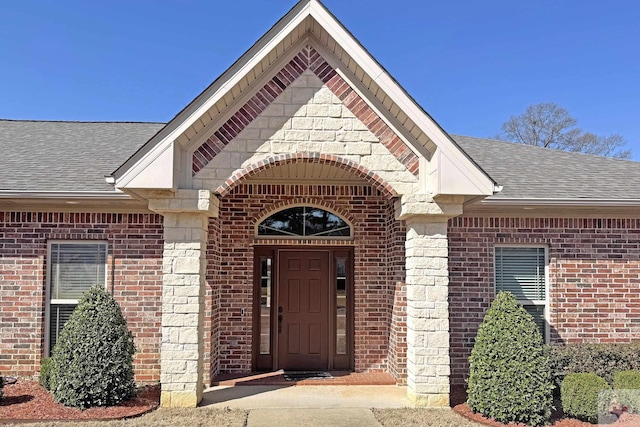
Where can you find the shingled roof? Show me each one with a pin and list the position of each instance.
(528, 172)
(76, 156)
(66, 156)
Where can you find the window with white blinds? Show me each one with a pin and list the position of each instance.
(522, 271)
(74, 267)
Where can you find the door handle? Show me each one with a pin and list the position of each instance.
(279, 323)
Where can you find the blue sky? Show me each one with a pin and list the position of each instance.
(470, 64)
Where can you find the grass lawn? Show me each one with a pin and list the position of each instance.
(422, 417)
(211, 417)
(197, 417)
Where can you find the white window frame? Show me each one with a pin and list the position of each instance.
(527, 302)
(49, 301)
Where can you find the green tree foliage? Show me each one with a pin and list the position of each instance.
(579, 394)
(602, 359)
(509, 378)
(92, 362)
(45, 373)
(551, 126)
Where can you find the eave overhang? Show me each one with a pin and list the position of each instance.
(445, 169)
(88, 201)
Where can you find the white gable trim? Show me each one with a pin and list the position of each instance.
(450, 170)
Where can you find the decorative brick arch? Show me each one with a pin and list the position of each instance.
(283, 159)
(307, 58)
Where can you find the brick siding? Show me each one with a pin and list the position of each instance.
(594, 266)
(232, 274)
(134, 276)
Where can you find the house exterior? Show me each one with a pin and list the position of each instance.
(305, 213)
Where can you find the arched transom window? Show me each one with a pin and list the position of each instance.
(304, 221)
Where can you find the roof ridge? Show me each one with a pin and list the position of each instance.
(81, 121)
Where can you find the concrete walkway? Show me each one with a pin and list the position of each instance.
(331, 406)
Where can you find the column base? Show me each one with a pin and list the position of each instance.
(179, 399)
(428, 400)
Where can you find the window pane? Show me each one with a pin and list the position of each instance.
(58, 317)
(341, 306)
(75, 268)
(289, 222)
(521, 272)
(304, 221)
(537, 311)
(265, 305)
(320, 222)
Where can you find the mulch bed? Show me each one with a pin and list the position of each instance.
(27, 400)
(459, 397)
(625, 420)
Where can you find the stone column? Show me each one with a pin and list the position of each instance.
(427, 278)
(186, 220)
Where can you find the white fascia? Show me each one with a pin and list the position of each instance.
(103, 195)
(238, 72)
(448, 150)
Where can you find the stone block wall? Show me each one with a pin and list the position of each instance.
(594, 266)
(134, 276)
(307, 117)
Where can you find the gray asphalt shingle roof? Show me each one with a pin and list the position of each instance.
(66, 156)
(534, 172)
(75, 156)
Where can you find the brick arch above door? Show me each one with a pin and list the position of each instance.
(352, 168)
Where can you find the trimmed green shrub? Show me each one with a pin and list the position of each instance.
(627, 388)
(92, 362)
(45, 373)
(579, 396)
(509, 375)
(602, 359)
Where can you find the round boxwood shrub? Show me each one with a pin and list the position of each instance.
(627, 389)
(579, 395)
(92, 361)
(509, 375)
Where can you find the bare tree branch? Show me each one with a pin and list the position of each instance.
(551, 126)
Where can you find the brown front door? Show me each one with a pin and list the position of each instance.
(303, 310)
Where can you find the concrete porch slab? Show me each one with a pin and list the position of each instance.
(327, 396)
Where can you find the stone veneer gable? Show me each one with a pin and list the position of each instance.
(310, 61)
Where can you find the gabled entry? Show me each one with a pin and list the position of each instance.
(304, 117)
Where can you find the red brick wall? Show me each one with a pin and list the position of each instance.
(134, 276)
(594, 269)
(212, 303)
(398, 330)
(247, 204)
